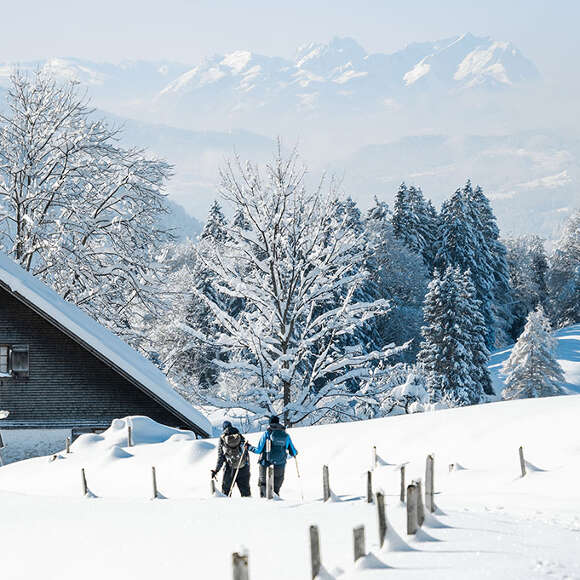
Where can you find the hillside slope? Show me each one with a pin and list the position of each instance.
(491, 521)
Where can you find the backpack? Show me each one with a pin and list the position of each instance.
(277, 454)
(233, 449)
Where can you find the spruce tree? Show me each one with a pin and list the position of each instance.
(564, 276)
(460, 244)
(414, 223)
(446, 348)
(532, 369)
(493, 251)
(470, 318)
(215, 228)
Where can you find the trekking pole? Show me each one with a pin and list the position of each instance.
(237, 471)
(299, 478)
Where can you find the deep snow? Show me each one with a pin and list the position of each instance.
(497, 524)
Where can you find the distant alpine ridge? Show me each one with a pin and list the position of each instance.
(322, 77)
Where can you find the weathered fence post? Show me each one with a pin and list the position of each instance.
(212, 486)
(420, 505)
(369, 487)
(270, 482)
(240, 566)
(412, 524)
(325, 483)
(358, 535)
(154, 481)
(522, 461)
(402, 483)
(84, 481)
(315, 559)
(67, 444)
(374, 460)
(430, 484)
(451, 467)
(129, 436)
(382, 518)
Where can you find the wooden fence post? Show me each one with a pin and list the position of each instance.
(67, 444)
(315, 559)
(358, 535)
(382, 518)
(430, 484)
(420, 505)
(522, 461)
(84, 481)
(270, 482)
(240, 566)
(154, 481)
(325, 483)
(129, 436)
(451, 467)
(212, 486)
(369, 487)
(403, 483)
(374, 460)
(412, 524)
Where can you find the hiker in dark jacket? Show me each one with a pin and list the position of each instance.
(233, 452)
(273, 446)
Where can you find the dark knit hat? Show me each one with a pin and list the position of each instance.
(274, 420)
(226, 424)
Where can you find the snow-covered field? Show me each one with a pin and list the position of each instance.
(492, 523)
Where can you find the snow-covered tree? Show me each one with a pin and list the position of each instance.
(448, 347)
(494, 251)
(532, 369)
(564, 275)
(285, 349)
(461, 244)
(528, 266)
(215, 227)
(414, 222)
(399, 275)
(76, 208)
(468, 312)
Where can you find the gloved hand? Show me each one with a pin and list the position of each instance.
(213, 473)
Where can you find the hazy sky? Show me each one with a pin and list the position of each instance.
(182, 30)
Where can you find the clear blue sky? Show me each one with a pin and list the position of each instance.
(182, 30)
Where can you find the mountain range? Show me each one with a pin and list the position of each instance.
(432, 113)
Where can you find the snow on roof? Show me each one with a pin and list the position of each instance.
(90, 332)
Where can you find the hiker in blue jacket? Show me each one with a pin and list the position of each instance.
(273, 445)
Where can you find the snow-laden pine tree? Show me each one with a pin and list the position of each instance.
(532, 369)
(446, 351)
(285, 349)
(399, 275)
(528, 266)
(564, 275)
(469, 317)
(414, 222)
(215, 227)
(494, 251)
(77, 209)
(461, 244)
(183, 356)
